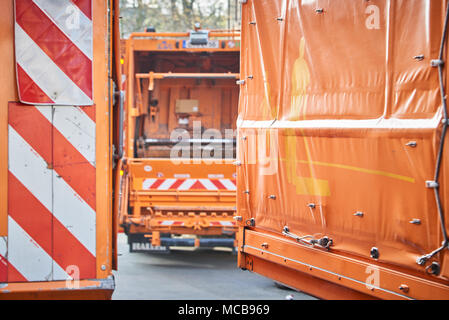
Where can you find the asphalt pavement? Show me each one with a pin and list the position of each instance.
(191, 274)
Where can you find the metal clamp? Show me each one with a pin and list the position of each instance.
(436, 63)
(432, 184)
(251, 222)
(324, 242)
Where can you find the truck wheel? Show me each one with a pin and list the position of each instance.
(281, 286)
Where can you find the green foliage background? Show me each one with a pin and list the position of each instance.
(178, 15)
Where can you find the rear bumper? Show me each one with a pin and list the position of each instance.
(202, 243)
(100, 289)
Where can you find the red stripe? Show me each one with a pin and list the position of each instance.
(8, 273)
(219, 185)
(66, 160)
(157, 184)
(40, 224)
(177, 184)
(90, 111)
(3, 269)
(28, 121)
(85, 6)
(197, 186)
(70, 164)
(66, 55)
(29, 90)
(178, 223)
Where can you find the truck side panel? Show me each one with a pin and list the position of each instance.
(339, 129)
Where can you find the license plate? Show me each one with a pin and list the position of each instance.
(213, 44)
(145, 246)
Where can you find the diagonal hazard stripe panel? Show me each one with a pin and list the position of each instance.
(31, 90)
(85, 6)
(27, 256)
(71, 21)
(53, 41)
(188, 184)
(51, 189)
(48, 203)
(30, 179)
(67, 161)
(40, 226)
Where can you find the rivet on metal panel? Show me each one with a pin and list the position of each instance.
(246, 192)
(251, 77)
(404, 288)
(312, 205)
(264, 245)
(272, 197)
(416, 221)
(238, 218)
(434, 269)
(103, 267)
(419, 57)
(253, 23)
(412, 144)
(359, 214)
(280, 19)
(374, 253)
(319, 10)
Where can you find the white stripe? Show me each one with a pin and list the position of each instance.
(228, 184)
(4, 246)
(186, 185)
(148, 183)
(208, 184)
(226, 223)
(29, 168)
(380, 123)
(74, 213)
(65, 204)
(167, 184)
(28, 257)
(76, 126)
(71, 21)
(167, 223)
(45, 73)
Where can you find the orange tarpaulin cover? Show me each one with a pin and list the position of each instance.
(340, 124)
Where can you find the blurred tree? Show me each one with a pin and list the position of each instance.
(178, 15)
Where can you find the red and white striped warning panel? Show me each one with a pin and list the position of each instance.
(51, 194)
(54, 51)
(189, 184)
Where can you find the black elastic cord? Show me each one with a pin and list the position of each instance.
(422, 260)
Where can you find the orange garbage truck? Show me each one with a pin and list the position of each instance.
(58, 133)
(343, 153)
(178, 181)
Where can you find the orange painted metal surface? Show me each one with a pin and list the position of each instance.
(340, 123)
(103, 232)
(84, 290)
